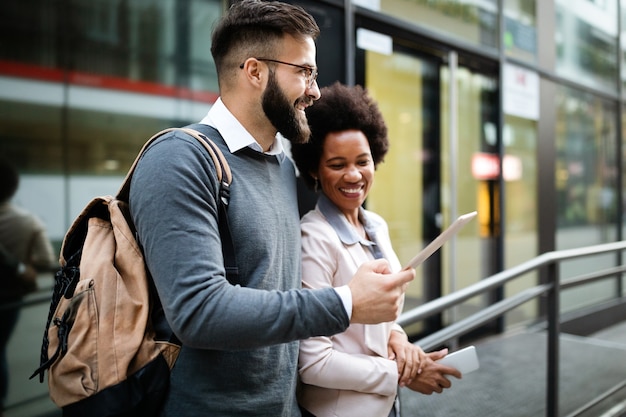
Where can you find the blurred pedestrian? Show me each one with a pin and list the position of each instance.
(25, 250)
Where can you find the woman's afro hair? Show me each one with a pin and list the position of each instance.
(340, 108)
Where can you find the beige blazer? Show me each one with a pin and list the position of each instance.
(347, 374)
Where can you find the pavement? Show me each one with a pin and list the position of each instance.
(511, 380)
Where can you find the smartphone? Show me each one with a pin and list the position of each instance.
(465, 360)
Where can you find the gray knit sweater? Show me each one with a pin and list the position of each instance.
(240, 348)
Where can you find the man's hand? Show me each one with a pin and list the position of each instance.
(433, 376)
(376, 293)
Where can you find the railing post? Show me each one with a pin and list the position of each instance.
(553, 312)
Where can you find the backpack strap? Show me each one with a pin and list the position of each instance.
(221, 166)
(224, 176)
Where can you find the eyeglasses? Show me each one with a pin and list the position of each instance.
(310, 73)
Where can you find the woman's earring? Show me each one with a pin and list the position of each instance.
(317, 183)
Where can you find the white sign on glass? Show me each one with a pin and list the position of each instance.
(521, 92)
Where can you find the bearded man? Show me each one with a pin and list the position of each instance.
(240, 339)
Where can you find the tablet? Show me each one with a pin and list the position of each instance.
(440, 240)
(465, 360)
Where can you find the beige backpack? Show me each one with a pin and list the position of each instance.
(99, 346)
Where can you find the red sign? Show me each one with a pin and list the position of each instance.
(486, 166)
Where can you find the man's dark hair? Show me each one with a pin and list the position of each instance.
(340, 108)
(251, 28)
(9, 180)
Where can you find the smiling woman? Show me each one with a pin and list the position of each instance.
(360, 377)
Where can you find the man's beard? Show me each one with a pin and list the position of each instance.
(283, 115)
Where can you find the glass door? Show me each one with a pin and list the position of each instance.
(428, 178)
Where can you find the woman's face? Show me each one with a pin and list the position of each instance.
(346, 170)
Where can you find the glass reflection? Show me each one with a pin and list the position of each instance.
(586, 42)
(470, 21)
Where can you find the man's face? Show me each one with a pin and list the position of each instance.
(282, 113)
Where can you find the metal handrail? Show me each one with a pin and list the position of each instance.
(551, 289)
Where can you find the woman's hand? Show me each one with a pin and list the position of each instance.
(408, 357)
(434, 376)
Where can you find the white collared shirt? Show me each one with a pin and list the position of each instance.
(235, 135)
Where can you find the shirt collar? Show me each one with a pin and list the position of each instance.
(235, 135)
(345, 231)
